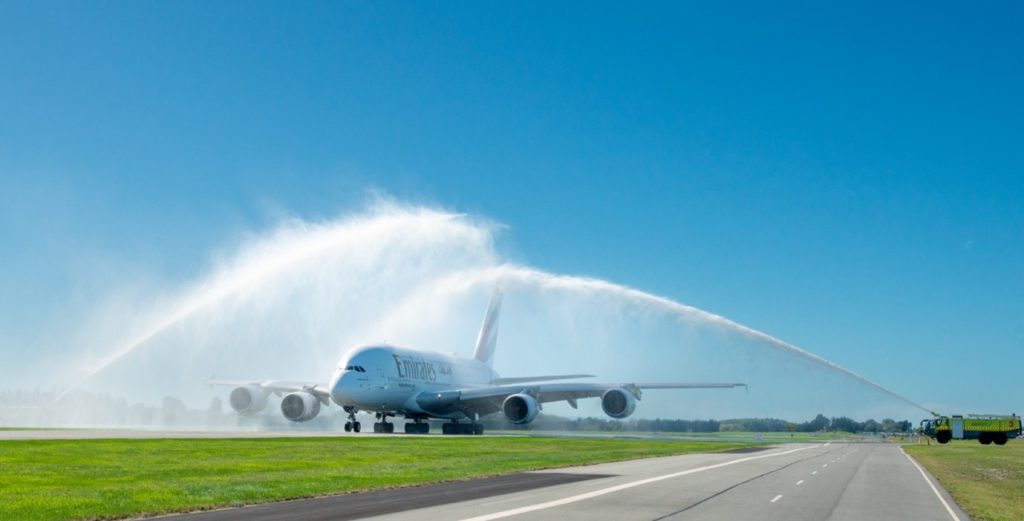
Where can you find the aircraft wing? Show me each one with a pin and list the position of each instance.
(530, 379)
(487, 400)
(280, 387)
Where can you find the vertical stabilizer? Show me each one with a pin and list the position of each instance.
(488, 338)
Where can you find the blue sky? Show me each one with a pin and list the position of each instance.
(846, 178)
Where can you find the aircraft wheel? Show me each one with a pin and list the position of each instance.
(348, 426)
(943, 436)
(984, 438)
(478, 429)
(376, 428)
(1000, 438)
(417, 428)
(448, 428)
(356, 426)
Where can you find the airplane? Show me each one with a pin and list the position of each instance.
(390, 380)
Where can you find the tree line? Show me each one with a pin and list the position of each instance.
(82, 408)
(820, 423)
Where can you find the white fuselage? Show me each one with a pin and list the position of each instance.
(389, 378)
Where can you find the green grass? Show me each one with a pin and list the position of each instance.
(778, 437)
(76, 479)
(34, 429)
(986, 480)
(736, 436)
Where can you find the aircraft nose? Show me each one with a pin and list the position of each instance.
(337, 386)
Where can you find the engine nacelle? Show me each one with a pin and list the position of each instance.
(300, 406)
(248, 398)
(520, 408)
(618, 403)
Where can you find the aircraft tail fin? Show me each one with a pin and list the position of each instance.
(488, 337)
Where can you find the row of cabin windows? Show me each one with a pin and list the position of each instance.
(356, 368)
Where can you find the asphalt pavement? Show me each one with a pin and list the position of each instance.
(823, 481)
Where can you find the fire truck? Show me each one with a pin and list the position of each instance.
(986, 428)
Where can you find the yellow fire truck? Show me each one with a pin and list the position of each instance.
(985, 428)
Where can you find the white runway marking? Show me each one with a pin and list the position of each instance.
(813, 473)
(776, 498)
(624, 486)
(935, 490)
(801, 482)
(825, 465)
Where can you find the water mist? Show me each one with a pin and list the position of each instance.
(286, 304)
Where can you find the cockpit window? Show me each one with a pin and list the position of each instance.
(356, 368)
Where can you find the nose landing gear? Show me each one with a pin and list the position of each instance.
(352, 425)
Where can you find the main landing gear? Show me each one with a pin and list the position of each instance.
(383, 426)
(418, 426)
(352, 425)
(455, 427)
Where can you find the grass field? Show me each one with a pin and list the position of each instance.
(75, 479)
(33, 429)
(735, 436)
(777, 437)
(986, 480)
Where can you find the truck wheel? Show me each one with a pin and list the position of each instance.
(1000, 438)
(984, 438)
(943, 436)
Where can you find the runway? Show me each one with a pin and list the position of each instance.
(832, 481)
(129, 433)
(145, 434)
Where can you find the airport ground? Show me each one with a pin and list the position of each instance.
(821, 481)
(123, 475)
(80, 478)
(986, 480)
(32, 433)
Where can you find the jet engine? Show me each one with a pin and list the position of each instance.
(248, 399)
(618, 403)
(520, 408)
(300, 406)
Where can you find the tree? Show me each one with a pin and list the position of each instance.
(889, 425)
(845, 424)
(818, 424)
(173, 410)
